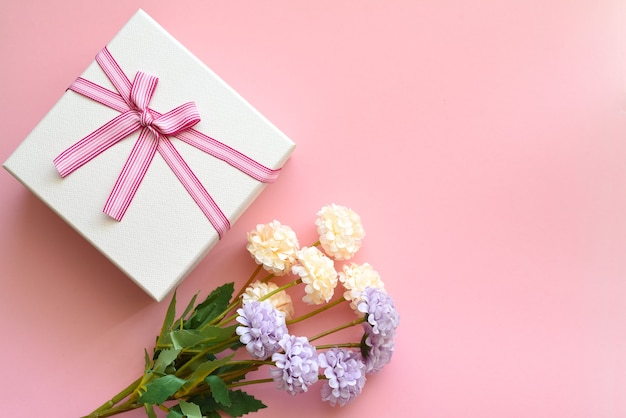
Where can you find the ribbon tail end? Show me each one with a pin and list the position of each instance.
(116, 216)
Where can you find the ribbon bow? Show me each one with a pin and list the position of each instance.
(132, 99)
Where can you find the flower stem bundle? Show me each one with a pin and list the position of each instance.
(202, 357)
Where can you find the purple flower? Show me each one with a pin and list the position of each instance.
(379, 311)
(345, 372)
(262, 328)
(296, 368)
(376, 349)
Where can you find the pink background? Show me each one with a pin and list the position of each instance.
(483, 145)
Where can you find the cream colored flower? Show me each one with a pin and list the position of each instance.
(318, 273)
(356, 278)
(274, 246)
(340, 231)
(281, 300)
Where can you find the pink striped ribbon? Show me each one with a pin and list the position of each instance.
(132, 99)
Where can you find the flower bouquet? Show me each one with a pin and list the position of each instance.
(203, 356)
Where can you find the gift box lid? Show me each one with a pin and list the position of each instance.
(164, 233)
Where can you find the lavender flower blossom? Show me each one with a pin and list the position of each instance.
(376, 349)
(296, 369)
(345, 373)
(379, 311)
(262, 328)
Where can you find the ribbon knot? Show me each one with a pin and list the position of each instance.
(132, 100)
(141, 93)
(146, 118)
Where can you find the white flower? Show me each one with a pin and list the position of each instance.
(281, 300)
(356, 278)
(340, 231)
(274, 246)
(318, 273)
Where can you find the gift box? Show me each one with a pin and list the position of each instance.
(153, 136)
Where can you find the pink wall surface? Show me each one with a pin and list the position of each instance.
(483, 144)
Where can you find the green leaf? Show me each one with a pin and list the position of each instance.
(230, 369)
(166, 357)
(202, 372)
(159, 390)
(220, 334)
(189, 307)
(185, 338)
(192, 338)
(242, 404)
(175, 412)
(169, 319)
(148, 360)
(207, 404)
(219, 390)
(214, 304)
(149, 410)
(191, 410)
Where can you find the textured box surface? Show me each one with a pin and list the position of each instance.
(164, 234)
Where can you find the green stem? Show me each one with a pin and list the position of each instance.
(213, 349)
(236, 300)
(269, 295)
(192, 360)
(126, 406)
(227, 320)
(238, 373)
(199, 356)
(342, 345)
(250, 280)
(315, 312)
(280, 289)
(339, 328)
(222, 346)
(251, 362)
(250, 382)
(117, 398)
(267, 278)
(221, 316)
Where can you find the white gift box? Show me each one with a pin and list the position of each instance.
(164, 233)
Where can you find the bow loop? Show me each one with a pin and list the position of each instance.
(142, 90)
(177, 120)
